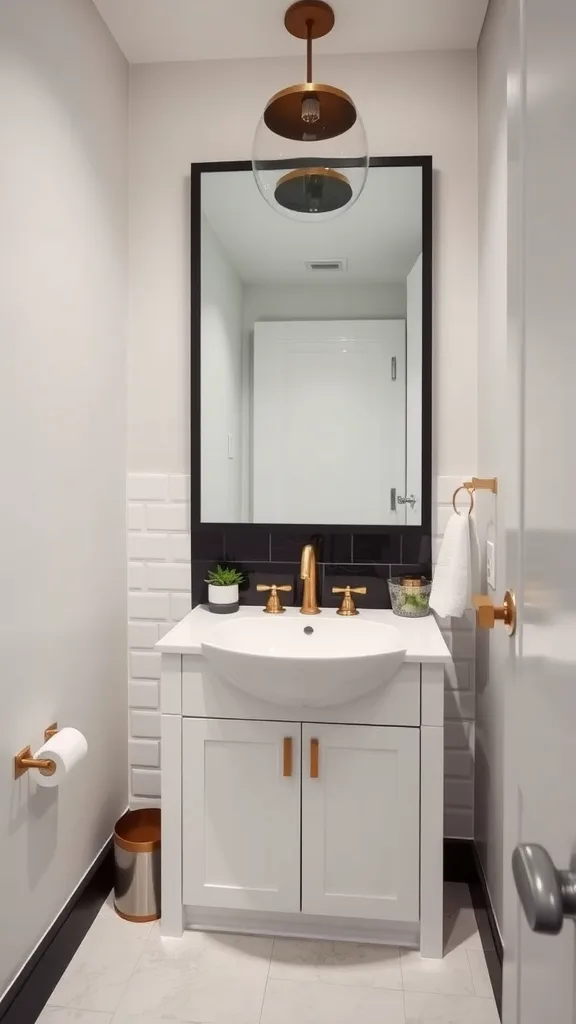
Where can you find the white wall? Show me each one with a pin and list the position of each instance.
(221, 382)
(63, 283)
(414, 305)
(318, 301)
(492, 646)
(417, 103)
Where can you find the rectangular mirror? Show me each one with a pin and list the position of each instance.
(311, 351)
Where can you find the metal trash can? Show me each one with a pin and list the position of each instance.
(137, 865)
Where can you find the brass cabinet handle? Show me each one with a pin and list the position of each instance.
(347, 606)
(314, 750)
(287, 772)
(274, 604)
(488, 613)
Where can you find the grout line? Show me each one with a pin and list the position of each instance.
(266, 981)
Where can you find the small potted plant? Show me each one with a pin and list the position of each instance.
(223, 585)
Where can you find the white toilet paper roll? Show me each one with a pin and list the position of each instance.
(66, 749)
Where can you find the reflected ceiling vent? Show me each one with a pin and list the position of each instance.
(334, 266)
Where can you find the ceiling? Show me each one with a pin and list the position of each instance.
(379, 237)
(181, 30)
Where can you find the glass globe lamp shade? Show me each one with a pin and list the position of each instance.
(313, 175)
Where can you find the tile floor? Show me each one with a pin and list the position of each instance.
(126, 974)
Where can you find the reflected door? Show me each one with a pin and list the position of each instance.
(328, 424)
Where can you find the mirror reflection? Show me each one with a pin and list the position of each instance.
(311, 356)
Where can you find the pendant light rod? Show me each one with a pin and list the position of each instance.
(309, 38)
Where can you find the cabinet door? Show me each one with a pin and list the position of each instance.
(360, 821)
(241, 814)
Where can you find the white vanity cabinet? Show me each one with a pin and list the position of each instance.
(241, 814)
(246, 788)
(361, 822)
(319, 822)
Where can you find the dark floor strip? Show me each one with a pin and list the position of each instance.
(26, 998)
(462, 864)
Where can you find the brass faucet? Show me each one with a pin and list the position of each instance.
(308, 574)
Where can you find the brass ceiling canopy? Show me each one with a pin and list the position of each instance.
(313, 190)
(310, 112)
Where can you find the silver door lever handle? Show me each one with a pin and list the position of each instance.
(546, 894)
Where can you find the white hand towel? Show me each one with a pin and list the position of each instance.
(452, 580)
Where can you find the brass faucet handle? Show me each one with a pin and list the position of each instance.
(347, 606)
(274, 604)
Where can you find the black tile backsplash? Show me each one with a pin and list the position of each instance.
(280, 573)
(373, 577)
(253, 544)
(207, 544)
(418, 569)
(330, 547)
(382, 548)
(415, 549)
(272, 555)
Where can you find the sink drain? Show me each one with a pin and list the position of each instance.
(308, 630)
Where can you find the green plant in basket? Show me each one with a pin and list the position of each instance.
(224, 576)
(415, 600)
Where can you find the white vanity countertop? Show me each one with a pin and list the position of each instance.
(422, 637)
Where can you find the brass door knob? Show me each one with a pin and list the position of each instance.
(488, 613)
(347, 606)
(274, 604)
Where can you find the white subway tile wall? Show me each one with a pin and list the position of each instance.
(159, 596)
(460, 696)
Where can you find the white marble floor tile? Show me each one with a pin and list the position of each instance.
(480, 975)
(338, 963)
(461, 930)
(67, 1015)
(102, 966)
(107, 913)
(107, 908)
(422, 1008)
(294, 1002)
(218, 979)
(451, 975)
(122, 1018)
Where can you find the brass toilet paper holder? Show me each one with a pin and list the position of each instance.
(23, 760)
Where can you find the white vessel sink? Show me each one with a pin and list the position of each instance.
(305, 660)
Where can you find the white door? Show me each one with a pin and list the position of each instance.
(360, 821)
(329, 421)
(540, 726)
(241, 814)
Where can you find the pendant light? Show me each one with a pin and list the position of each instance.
(310, 155)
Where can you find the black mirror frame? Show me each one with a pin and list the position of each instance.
(198, 527)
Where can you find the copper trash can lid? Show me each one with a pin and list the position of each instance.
(139, 831)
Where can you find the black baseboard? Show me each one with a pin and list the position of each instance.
(29, 993)
(462, 864)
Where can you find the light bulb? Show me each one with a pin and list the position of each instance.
(310, 109)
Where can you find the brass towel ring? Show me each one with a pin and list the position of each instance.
(470, 495)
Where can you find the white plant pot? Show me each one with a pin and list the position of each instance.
(223, 599)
